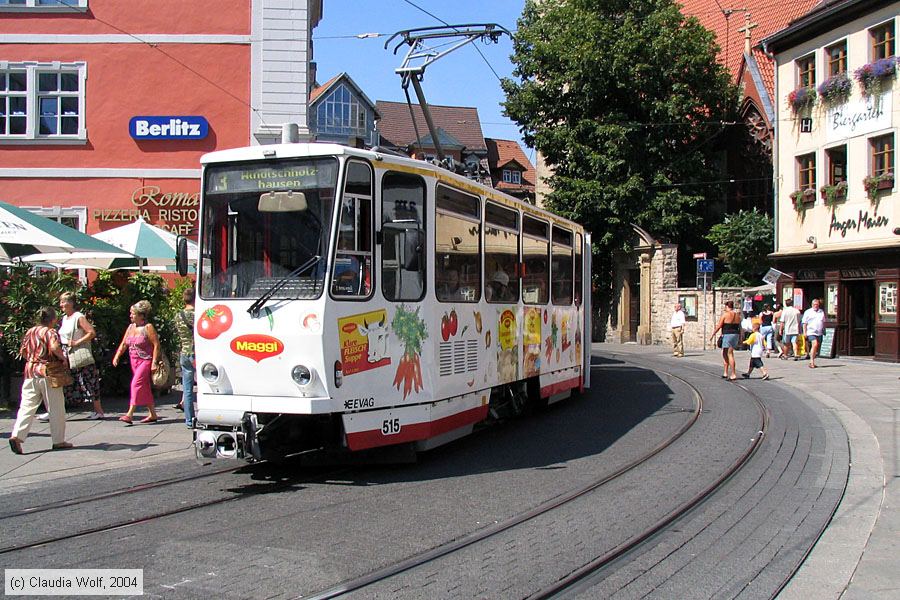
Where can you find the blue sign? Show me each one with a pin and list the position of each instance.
(705, 265)
(168, 128)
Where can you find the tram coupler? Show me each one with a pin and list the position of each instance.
(238, 441)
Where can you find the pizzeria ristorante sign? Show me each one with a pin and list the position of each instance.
(175, 211)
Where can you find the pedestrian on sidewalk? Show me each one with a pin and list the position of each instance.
(39, 347)
(76, 334)
(757, 345)
(142, 343)
(730, 325)
(184, 325)
(790, 322)
(766, 329)
(747, 307)
(677, 325)
(814, 328)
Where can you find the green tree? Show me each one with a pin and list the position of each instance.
(624, 100)
(743, 239)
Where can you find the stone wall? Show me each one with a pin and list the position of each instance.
(659, 292)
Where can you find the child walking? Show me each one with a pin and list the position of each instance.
(757, 347)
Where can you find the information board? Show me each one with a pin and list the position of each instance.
(827, 349)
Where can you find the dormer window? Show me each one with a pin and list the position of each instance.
(511, 176)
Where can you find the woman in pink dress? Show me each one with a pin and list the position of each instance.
(142, 343)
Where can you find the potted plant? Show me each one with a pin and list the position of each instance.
(873, 76)
(832, 194)
(802, 198)
(876, 183)
(802, 99)
(836, 89)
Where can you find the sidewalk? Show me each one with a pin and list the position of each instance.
(857, 556)
(99, 445)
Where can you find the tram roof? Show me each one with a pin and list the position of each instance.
(312, 149)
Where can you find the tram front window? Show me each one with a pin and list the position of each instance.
(261, 222)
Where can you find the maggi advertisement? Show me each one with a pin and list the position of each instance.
(531, 342)
(506, 330)
(364, 341)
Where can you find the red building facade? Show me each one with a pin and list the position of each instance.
(107, 106)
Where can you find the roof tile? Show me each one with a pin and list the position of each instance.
(461, 122)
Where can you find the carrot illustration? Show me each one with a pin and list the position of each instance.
(411, 330)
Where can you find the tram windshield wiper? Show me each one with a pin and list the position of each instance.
(260, 302)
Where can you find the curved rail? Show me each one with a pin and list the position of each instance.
(616, 553)
(501, 526)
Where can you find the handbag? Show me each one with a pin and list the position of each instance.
(161, 376)
(58, 374)
(79, 356)
(719, 342)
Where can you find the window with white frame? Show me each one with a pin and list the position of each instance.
(42, 101)
(512, 176)
(45, 5)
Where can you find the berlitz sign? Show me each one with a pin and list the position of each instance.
(859, 116)
(168, 128)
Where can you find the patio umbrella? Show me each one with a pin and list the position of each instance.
(24, 233)
(154, 245)
(144, 246)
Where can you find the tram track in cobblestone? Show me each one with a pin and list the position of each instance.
(142, 487)
(433, 554)
(130, 522)
(561, 586)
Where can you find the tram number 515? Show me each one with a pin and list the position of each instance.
(390, 427)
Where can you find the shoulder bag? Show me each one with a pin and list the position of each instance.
(79, 356)
(56, 371)
(163, 373)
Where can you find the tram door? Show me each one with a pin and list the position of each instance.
(860, 317)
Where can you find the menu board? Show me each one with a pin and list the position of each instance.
(827, 348)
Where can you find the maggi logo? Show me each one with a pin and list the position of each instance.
(257, 347)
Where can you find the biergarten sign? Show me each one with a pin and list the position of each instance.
(177, 212)
(859, 116)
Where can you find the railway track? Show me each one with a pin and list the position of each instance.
(433, 554)
(143, 488)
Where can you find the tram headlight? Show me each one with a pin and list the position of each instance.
(302, 375)
(209, 372)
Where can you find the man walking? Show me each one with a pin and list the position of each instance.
(790, 323)
(814, 327)
(677, 325)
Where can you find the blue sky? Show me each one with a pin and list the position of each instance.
(462, 78)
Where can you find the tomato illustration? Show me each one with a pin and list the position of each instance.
(454, 322)
(214, 321)
(445, 328)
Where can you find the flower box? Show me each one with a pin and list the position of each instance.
(832, 194)
(836, 89)
(873, 76)
(803, 198)
(876, 183)
(802, 99)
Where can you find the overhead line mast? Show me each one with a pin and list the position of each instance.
(423, 51)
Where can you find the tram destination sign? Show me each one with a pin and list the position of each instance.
(305, 175)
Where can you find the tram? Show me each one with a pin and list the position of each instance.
(349, 299)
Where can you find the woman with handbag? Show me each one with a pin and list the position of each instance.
(44, 376)
(142, 343)
(730, 326)
(76, 333)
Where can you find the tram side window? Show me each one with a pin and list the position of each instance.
(535, 255)
(501, 254)
(403, 237)
(352, 273)
(561, 267)
(457, 246)
(579, 269)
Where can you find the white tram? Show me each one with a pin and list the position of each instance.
(349, 299)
